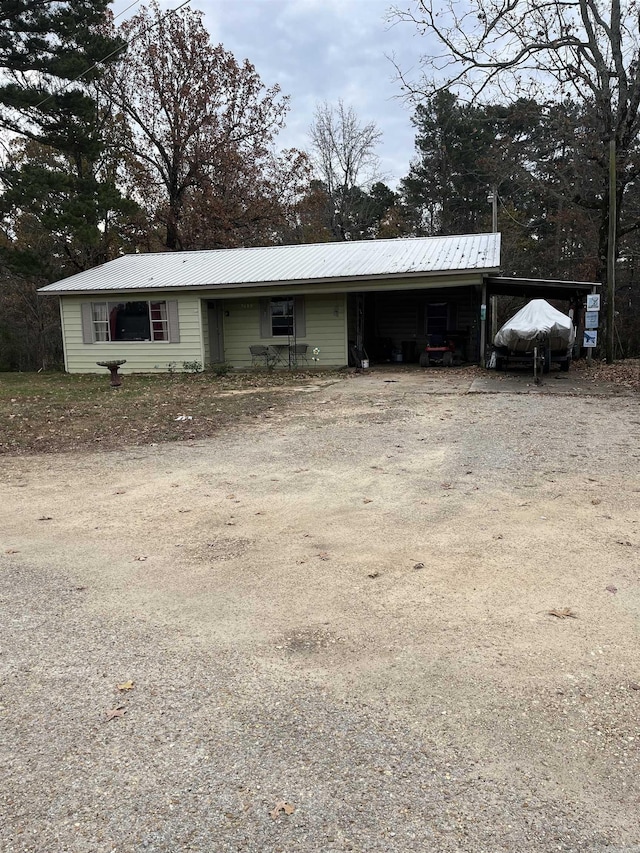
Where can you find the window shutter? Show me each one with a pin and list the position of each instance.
(301, 320)
(87, 323)
(173, 322)
(265, 318)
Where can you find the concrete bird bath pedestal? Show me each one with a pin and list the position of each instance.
(113, 367)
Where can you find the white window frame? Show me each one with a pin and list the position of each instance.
(101, 311)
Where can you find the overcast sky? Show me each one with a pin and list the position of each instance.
(321, 50)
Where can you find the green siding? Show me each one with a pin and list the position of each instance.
(141, 356)
(326, 321)
(325, 329)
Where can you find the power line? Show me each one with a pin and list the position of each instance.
(113, 52)
(130, 6)
(521, 224)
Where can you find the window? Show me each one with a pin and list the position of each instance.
(130, 321)
(282, 316)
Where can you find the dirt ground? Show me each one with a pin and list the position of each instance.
(336, 620)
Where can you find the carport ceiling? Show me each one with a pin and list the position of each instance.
(536, 288)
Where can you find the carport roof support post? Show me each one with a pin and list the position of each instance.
(483, 323)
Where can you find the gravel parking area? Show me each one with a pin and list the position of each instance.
(331, 629)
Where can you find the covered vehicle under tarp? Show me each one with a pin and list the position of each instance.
(537, 325)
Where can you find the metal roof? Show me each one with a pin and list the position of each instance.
(225, 268)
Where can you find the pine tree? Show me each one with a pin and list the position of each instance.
(59, 203)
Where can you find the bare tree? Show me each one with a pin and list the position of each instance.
(586, 49)
(343, 151)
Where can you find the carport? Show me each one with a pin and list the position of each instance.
(571, 292)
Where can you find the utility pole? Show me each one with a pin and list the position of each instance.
(494, 210)
(611, 255)
(494, 228)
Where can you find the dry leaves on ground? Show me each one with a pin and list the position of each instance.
(625, 373)
(118, 711)
(282, 806)
(126, 685)
(565, 613)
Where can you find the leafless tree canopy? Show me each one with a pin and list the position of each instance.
(576, 48)
(345, 159)
(343, 147)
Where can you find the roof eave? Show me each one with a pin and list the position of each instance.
(480, 272)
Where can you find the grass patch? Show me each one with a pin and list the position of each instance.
(57, 412)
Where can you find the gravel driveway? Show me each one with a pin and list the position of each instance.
(334, 628)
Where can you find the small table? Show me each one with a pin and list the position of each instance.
(279, 353)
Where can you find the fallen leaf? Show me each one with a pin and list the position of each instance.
(596, 501)
(367, 501)
(119, 492)
(118, 711)
(140, 558)
(126, 685)
(623, 542)
(12, 551)
(323, 555)
(418, 565)
(374, 575)
(611, 588)
(282, 806)
(565, 613)
(634, 686)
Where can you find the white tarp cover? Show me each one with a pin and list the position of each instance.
(536, 323)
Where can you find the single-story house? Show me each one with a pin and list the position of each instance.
(328, 304)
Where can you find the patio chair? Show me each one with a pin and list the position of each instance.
(260, 356)
(298, 354)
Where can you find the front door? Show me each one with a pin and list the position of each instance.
(216, 336)
(437, 323)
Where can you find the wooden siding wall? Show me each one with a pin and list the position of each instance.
(402, 316)
(141, 356)
(325, 329)
(399, 315)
